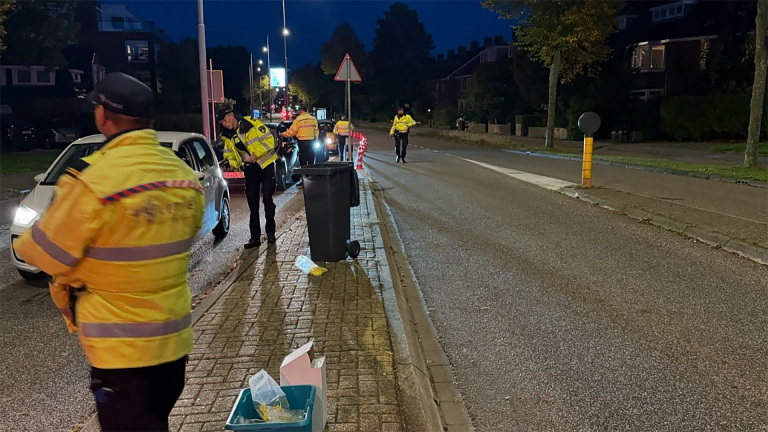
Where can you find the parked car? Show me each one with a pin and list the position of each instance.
(192, 148)
(287, 156)
(17, 134)
(327, 136)
(59, 134)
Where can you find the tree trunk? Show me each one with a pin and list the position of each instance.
(554, 73)
(758, 88)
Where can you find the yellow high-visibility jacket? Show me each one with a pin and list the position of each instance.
(401, 124)
(342, 128)
(118, 233)
(251, 137)
(304, 128)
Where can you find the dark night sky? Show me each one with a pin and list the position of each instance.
(247, 22)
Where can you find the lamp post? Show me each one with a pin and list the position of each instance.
(203, 70)
(285, 48)
(269, 75)
(250, 75)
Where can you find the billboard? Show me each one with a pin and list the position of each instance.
(277, 77)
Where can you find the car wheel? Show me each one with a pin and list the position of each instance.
(222, 228)
(30, 276)
(280, 175)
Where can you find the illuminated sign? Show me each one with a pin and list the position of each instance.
(277, 77)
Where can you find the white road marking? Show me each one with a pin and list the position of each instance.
(534, 179)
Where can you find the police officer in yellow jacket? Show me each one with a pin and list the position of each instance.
(306, 131)
(401, 125)
(250, 146)
(342, 130)
(116, 242)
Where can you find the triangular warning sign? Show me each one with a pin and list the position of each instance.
(348, 71)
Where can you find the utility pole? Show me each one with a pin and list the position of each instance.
(203, 71)
(250, 74)
(285, 47)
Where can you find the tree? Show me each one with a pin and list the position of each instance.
(37, 32)
(401, 55)
(344, 41)
(758, 89)
(531, 79)
(308, 83)
(570, 37)
(178, 73)
(494, 96)
(5, 8)
(234, 62)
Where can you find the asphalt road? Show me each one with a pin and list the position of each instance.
(44, 378)
(561, 316)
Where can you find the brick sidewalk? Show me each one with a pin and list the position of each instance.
(272, 309)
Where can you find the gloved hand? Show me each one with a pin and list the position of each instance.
(60, 293)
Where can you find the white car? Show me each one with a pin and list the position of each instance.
(192, 148)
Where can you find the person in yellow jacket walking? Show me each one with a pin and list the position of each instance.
(306, 131)
(249, 146)
(116, 243)
(401, 125)
(342, 130)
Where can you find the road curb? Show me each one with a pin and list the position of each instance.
(753, 252)
(92, 424)
(429, 367)
(672, 171)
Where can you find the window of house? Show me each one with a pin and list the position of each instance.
(77, 76)
(657, 57)
(679, 10)
(640, 57)
(43, 77)
(137, 51)
(23, 76)
(3, 72)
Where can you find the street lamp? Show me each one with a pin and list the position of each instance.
(286, 32)
(269, 75)
(261, 62)
(203, 70)
(285, 47)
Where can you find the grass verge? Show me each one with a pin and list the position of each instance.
(15, 163)
(762, 148)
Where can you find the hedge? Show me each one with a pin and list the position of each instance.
(707, 117)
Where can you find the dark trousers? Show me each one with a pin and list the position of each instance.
(137, 399)
(306, 152)
(342, 148)
(401, 143)
(262, 182)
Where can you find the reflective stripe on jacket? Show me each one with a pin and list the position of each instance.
(341, 128)
(120, 228)
(252, 137)
(401, 124)
(304, 128)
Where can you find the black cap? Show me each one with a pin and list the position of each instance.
(303, 108)
(222, 112)
(400, 109)
(124, 94)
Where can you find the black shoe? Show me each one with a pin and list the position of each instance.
(397, 160)
(252, 243)
(271, 239)
(402, 159)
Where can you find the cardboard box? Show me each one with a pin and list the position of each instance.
(301, 367)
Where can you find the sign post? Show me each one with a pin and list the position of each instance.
(589, 123)
(348, 72)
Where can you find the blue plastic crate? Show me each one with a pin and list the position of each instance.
(301, 396)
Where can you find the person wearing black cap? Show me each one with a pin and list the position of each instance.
(250, 146)
(306, 131)
(116, 243)
(401, 125)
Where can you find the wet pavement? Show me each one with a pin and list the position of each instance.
(561, 316)
(45, 374)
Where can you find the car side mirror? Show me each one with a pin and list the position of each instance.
(201, 175)
(38, 178)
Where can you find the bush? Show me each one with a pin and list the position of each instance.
(703, 118)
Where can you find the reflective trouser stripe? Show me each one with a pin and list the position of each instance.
(52, 249)
(140, 253)
(135, 329)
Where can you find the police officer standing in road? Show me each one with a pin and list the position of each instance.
(250, 146)
(306, 131)
(116, 242)
(401, 125)
(342, 130)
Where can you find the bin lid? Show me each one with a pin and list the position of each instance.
(324, 169)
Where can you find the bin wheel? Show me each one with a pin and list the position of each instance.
(353, 249)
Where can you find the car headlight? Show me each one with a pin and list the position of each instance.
(317, 145)
(328, 140)
(24, 216)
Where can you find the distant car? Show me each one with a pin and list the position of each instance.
(287, 156)
(192, 148)
(17, 134)
(59, 134)
(327, 136)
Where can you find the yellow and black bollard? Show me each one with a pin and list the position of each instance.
(589, 123)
